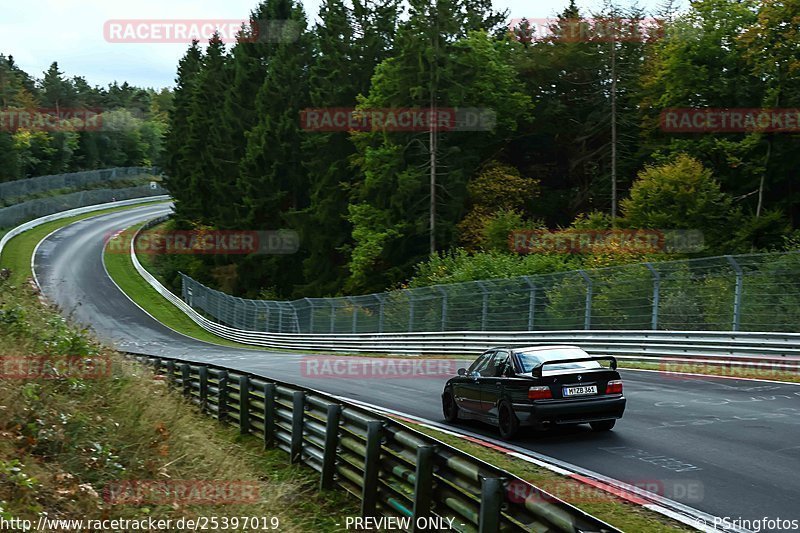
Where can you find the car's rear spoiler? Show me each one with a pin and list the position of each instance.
(537, 370)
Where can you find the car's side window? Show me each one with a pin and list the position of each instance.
(481, 362)
(501, 364)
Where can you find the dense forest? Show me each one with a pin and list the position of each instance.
(570, 114)
(576, 140)
(126, 125)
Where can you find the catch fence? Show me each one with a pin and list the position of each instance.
(756, 292)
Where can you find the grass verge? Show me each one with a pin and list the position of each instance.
(72, 436)
(120, 268)
(729, 370)
(599, 503)
(17, 253)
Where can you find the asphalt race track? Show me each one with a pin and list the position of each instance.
(727, 447)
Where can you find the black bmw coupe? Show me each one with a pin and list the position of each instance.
(538, 386)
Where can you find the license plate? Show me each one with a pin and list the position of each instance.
(580, 391)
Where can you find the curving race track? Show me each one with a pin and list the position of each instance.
(728, 447)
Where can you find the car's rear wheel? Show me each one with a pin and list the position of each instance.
(449, 406)
(603, 425)
(507, 421)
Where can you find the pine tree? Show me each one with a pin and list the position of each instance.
(349, 43)
(177, 178)
(440, 60)
(272, 180)
(248, 67)
(208, 140)
(57, 92)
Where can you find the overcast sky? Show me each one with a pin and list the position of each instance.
(38, 32)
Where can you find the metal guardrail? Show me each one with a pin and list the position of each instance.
(394, 470)
(781, 350)
(72, 212)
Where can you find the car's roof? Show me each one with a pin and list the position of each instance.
(541, 347)
(547, 347)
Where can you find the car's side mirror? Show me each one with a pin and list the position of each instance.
(462, 371)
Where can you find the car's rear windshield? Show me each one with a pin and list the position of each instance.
(529, 360)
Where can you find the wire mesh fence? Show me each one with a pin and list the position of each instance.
(22, 212)
(12, 190)
(756, 292)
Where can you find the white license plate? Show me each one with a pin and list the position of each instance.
(580, 391)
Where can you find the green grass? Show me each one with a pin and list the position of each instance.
(64, 440)
(121, 269)
(17, 253)
(730, 370)
(609, 508)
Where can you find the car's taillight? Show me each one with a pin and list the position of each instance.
(539, 393)
(614, 387)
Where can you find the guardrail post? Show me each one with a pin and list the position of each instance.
(444, 307)
(656, 295)
(531, 302)
(253, 323)
(355, 313)
(310, 315)
(491, 502)
(222, 398)
(369, 493)
(244, 404)
(410, 294)
(380, 312)
(185, 291)
(423, 484)
(484, 304)
(269, 414)
(737, 293)
(186, 379)
(331, 445)
(298, 414)
(587, 318)
(170, 371)
(203, 371)
(267, 315)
